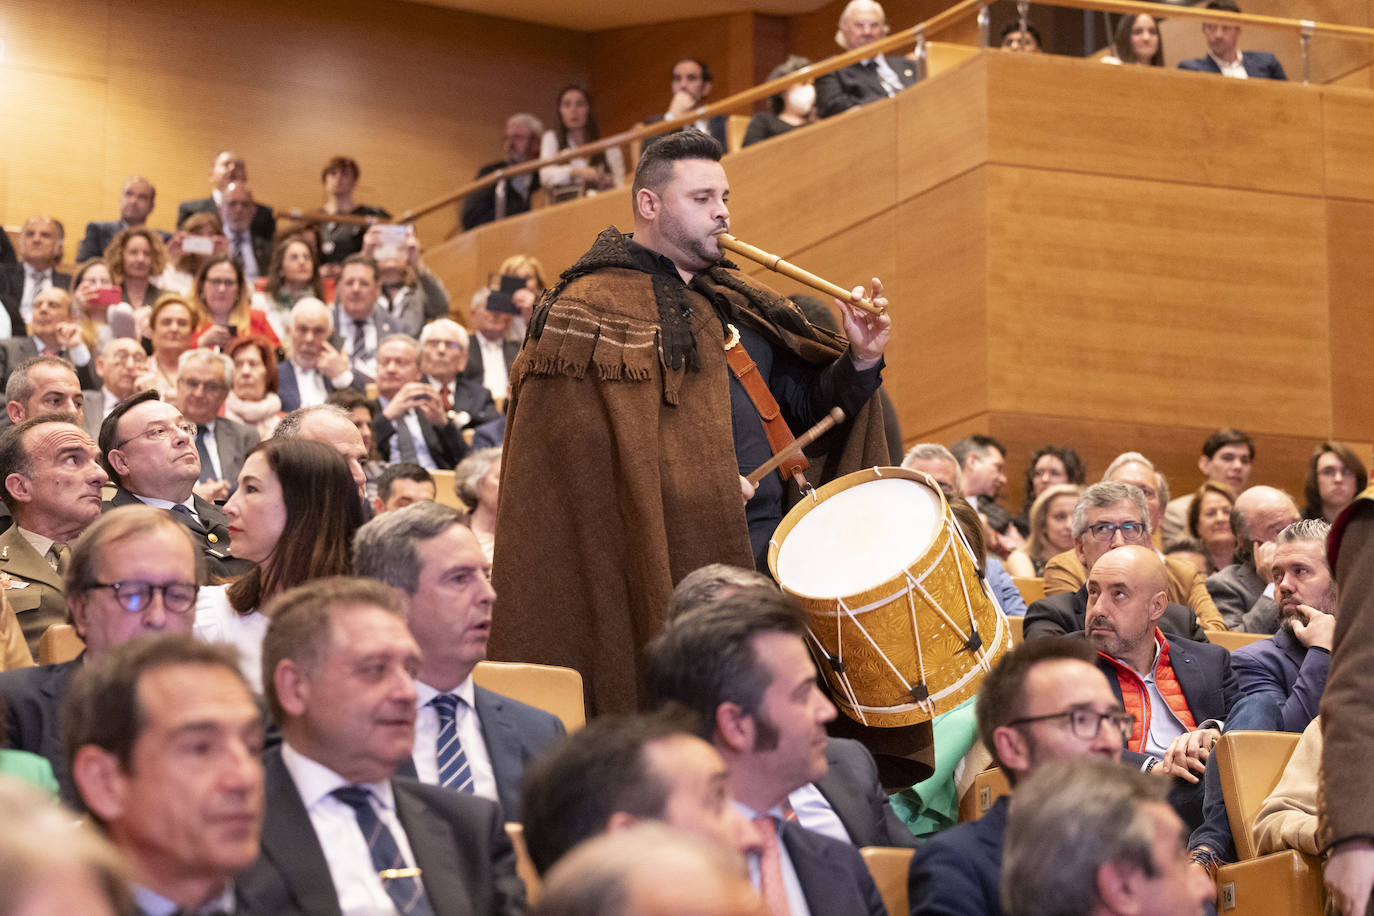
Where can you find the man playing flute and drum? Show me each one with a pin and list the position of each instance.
(629, 432)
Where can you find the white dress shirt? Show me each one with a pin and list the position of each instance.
(1235, 69)
(495, 372)
(423, 457)
(815, 814)
(35, 281)
(212, 450)
(356, 882)
(426, 753)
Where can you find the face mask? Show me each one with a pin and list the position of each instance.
(801, 98)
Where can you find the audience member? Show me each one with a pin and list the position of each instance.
(91, 281)
(185, 257)
(787, 110)
(490, 360)
(532, 270)
(50, 864)
(410, 294)
(150, 452)
(509, 196)
(623, 873)
(136, 258)
(443, 361)
(339, 668)
(132, 574)
(253, 399)
(1049, 466)
(467, 738)
(171, 323)
(53, 332)
(316, 368)
(1227, 457)
(1137, 41)
(40, 253)
(939, 462)
(1209, 521)
(203, 380)
(42, 384)
(1051, 531)
(1044, 701)
(1192, 550)
(122, 366)
(361, 325)
(1108, 515)
(251, 252)
(878, 77)
(1016, 38)
(623, 771)
(1288, 817)
(1334, 476)
(228, 168)
(403, 484)
(477, 480)
(137, 197)
(577, 127)
(1180, 691)
(339, 240)
(413, 424)
(982, 462)
(742, 668)
(52, 488)
(1187, 586)
(989, 567)
(292, 275)
(333, 426)
(1089, 839)
(1224, 55)
(1243, 592)
(164, 743)
(690, 87)
(222, 294)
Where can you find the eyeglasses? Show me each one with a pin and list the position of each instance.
(197, 385)
(135, 596)
(158, 433)
(1085, 723)
(1104, 532)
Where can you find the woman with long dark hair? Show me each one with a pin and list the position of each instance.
(576, 126)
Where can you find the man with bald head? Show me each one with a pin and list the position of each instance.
(332, 426)
(1180, 691)
(1244, 591)
(878, 77)
(228, 168)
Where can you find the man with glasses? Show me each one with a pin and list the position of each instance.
(1108, 515)
(443, 359)
(121, 365)
(132, 574)
(150, 452)
(203, 381)
(316, 368)
(1044, 701)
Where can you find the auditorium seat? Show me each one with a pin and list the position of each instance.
(889, 866)
(59, 643)
(548, 687)
(1231, 641)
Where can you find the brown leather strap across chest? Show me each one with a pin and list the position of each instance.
(775, 427)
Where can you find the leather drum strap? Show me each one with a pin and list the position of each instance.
(779, 434)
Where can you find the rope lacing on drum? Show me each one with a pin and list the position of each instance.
(838, 667)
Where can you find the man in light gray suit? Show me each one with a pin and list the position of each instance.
(203, 380)
(426, 552)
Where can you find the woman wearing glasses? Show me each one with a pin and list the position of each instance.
(222, 312)
(294, 514)
(1334, 476)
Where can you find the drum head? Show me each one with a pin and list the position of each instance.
(859, 538)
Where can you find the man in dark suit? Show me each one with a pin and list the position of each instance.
(120, 366)
(136, 201)
(691, 85)
(150, 452)
(508, 196)
(203, 381)
(426, 552)
(252, 250)
(490, 354)
(338, 663)
(52, 331)
(40, 251)
(443, 361)
(411, 423)
(879, 77)
(229, 167)
(130, 545)
(742, 668)
(1257, 517)
(1224, 55)
(1043, 701)
(52, 488)
(316, 367)
(165, 741)
(359, 323)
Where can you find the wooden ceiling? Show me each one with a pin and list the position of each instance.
(597, 15)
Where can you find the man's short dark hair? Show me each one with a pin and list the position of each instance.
(387, 547)
(570, 793)
(655, 167)
(976, 443)
(342, 164)
(102, 707)
(402, 470)
(705, 70)
(1224, 437)
(20, 386)
(1002, 696)
(1015, 26)
(109, 428)
(706, 657)
(364, 260)
(14, 455)
(1227, 5)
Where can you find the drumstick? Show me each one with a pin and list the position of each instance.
(835, 416)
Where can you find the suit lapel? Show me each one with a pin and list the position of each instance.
(503, 746)
(431, 841)
(819, 875)
(289, 841)
(19, 559)
(1192, 679)
(849, 808)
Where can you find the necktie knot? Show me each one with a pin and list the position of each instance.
(447, 706)
(356, 797)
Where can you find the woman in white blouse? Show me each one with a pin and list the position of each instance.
(294, 514)
(576, 126)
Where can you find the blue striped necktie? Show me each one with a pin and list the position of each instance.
(455, 772)
(406, 890)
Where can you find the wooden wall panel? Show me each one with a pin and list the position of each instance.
(1350, 238)
(1349, 123)
(949, 115)
(1111, 287)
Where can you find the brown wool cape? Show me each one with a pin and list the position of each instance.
(619, 475)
